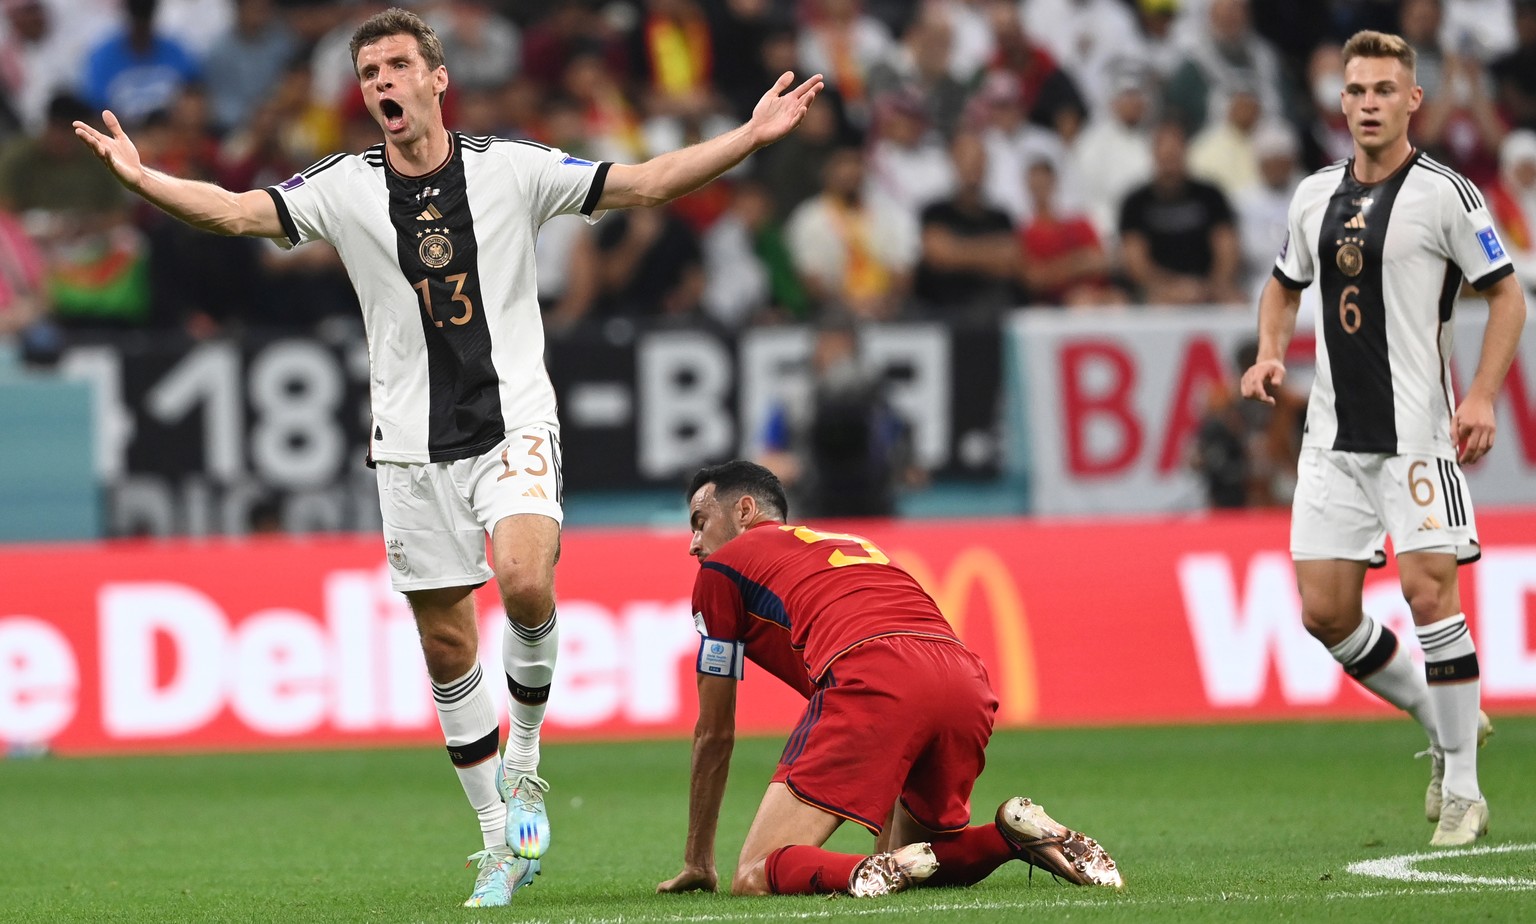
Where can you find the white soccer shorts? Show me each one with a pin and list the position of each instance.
(437, 515)
(1347, 503)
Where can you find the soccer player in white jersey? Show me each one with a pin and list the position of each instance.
(1389, 236)
(465, 437)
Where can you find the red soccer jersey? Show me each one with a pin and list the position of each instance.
(797, 599)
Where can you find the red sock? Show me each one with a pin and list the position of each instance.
(801, 869)
(969, 856)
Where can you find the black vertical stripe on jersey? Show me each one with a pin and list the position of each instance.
(1359, 362)
(464, 403)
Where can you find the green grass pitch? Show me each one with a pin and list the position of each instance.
(1215, 823)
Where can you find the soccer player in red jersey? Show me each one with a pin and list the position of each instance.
(896, 725)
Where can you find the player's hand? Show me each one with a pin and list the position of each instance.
(1472, 429)
(115, 149)
(776, 116)
(691, 879)
(1262, 378)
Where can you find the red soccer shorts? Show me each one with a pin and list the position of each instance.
(899, 716)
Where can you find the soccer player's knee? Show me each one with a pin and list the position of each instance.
(1427, 600)
(751, 878)
(528, 595)
(448, 651)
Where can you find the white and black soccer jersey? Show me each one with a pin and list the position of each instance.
(1389, 259)
(443, 265)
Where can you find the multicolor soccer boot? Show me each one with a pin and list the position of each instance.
(527, 821)
(1041, 841)
(896, 871)
(501, 875)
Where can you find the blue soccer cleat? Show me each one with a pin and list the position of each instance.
(527, 820)
(501, 875)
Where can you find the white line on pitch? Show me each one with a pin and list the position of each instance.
(1402, 868)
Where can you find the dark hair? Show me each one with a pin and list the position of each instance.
(739, 478)
(395, 21)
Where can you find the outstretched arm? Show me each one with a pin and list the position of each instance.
(662, 179)
(201, 205)
(714, 737)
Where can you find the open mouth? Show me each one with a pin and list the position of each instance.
(393, 113)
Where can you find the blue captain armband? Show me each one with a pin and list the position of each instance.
(720, 657)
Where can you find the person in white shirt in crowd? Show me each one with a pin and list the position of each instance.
(1262, 207)
(1224, 57)
(1013, 142)
(908, 161)
(1085, 37)
(1113, 154)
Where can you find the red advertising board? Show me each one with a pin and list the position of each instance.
(287, 642)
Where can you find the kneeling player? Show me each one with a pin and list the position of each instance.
(895, 731)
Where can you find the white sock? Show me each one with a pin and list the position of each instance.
(1450, 667)
(466, 709)
(1373, 657)
(528, 655)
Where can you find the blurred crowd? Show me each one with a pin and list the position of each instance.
(970, 156)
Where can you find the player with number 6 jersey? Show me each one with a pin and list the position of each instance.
(896, 723)
(1389, 236)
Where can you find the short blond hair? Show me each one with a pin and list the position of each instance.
(1369, 44)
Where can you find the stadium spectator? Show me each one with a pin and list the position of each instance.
(748, 273)
(610, 122)
(970, 260)
(1045, 90)
(908, 161)
(23, 276)
(566, 262)
(741, 30)
(567, 29)
(793, 170)
(1224, 56)
(1456, 121)
(1064, 262)
(1086, 38)
(836, 442)
(1161, 45)
(1176, 233)
(919, 70)
(839, 39)
(1512, 200)
(38, 61)
(1325, 78)
(1482, 29)
(673, 51)
(439, 514)
(1013, 143)
(1381, 409)
(1261, 209)
(972, 41)
(195, 25)
(1515, 72)
(650, 266)
(484, 46)
(852, 247)
(251, 59)
(1222, 153)
(1114, 153)
(97, 269)
(138, 71)
(895, 730)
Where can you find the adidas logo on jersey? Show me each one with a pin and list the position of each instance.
(430, 214)
(1358, 222)
(536, 491)
(1430, 524)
